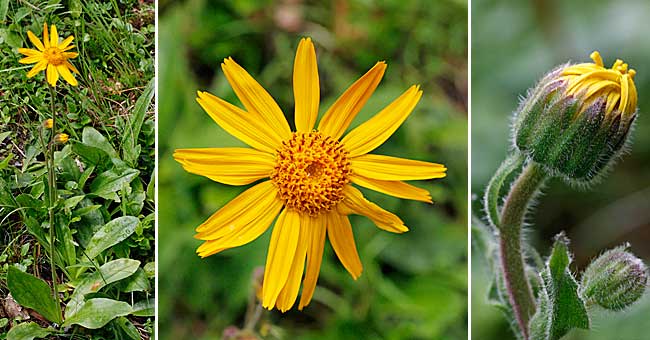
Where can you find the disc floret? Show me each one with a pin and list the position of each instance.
(311, 171)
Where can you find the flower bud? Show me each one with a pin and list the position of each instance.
(48, 123)
(614, 280)
(577, 119)
(61, 138)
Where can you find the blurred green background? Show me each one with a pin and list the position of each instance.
(414, 286)
(513, 44)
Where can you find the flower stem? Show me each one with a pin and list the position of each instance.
(51, 181)
(512, 261)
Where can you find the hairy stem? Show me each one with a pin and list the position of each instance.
(512, 261)
(51, 181)
(491, 199)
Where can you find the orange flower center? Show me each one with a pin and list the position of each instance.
(311, 171)
(54, 56)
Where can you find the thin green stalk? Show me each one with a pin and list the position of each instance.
(51, 181)
(515, 207)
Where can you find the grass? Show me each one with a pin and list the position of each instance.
(104, 212)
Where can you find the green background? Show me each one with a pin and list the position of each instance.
(513, 44)
(413, 285)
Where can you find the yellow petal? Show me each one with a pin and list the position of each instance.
(42, 65)
(46, 37)
(52, 74)
(306, 90)
(633, 95)
(289, 293)
(371, 134)
(339, 232)
(255, 98)
(65, 73)
(282, 249)
(248, 227)
(71, 67)
(37, 42)
(389, 168)
(66, 42)
(30, 52)
(355, 203)
(31, 60)
(239, 123)
(393, 188)
(69, 55)
(232, 166)
(54, 37)
(338, 118)
(317, 225)
(234, 209)
(67, 48)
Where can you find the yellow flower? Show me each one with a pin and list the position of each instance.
(592, 81)
(310, 174)
(48, 123)
(51, 56)
(61, 138)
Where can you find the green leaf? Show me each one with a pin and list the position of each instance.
(128, 328)
(4, 6)
(32, 292)
(144, 308)
(136, 283)
(108, 273)
(93, 138)
(108, 183)
(72, 202)
(90, 154)
(5, 162)
(28, 331)
(6, 134)
(96, 313)
(132, 129)
(111, 234)
(560, 308)
(66, 244)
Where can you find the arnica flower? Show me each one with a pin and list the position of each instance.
(51, 56)
(308, 174)
(578, 118)
(48, 123)
(61, 138)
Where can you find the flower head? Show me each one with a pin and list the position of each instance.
(577, 119)
(310, 174)
(615, 280)
(48, 123)
(61, 138)
(51, 56)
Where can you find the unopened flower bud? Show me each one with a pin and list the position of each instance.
(614, 280)
(61, 138)
(578, 118)
(48, 123)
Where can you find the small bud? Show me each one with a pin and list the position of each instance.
(614, 280)
(577, 119)
(61, 138)
(48, 123)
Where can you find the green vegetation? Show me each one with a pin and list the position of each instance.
(104, 209)
(515, 44)
(413, 285)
